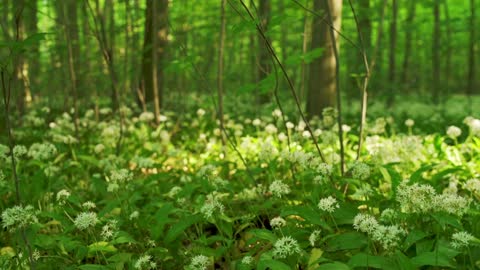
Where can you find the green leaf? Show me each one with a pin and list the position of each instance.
(402, 261)
(180, 227)
(271, 264)
(368, 261)
(333, 266)
(92, 267)
(101, 247)
(264, 235)
(417, 175)
(445, 219)
(315, 255)
(308, 213)
(345, 241)
(432, 258)
(413, 237)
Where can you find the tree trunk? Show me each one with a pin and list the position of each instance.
(33, 59)
(408, 45)
(436, 52)
(471, 55)
(221, 46)
(391, 58)
(322, 85)
(264, 65)
(160, 34)
(448, 44)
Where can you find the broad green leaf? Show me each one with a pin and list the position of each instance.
(308, 213)
(412, 237)
(92, 267)
(333, 266)
(349, 240)
(368, 261)
(417, 175)
(445, 219)
(264, 235)
(180, 227)
(315, 255)
(264, 264)
(100, 247)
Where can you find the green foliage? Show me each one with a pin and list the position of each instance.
(174, 199)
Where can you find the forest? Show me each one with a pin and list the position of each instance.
(239, 134)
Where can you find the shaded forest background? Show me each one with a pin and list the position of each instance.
(165, 54)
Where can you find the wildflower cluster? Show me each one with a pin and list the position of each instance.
(286, 246)
(328, 204)
(423, 199)
(278, 188)
(85, 220)
(388, 236)
(19, 217)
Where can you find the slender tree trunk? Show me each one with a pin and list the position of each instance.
(156, 96)
(471, 55)
(307, 37)
(448, 44)
(264, 65)
(436, 52)
(220, 89)
(21, 78)
(67, 11)
(405, 79)
(322, 83)
(160, 34)
(33, 60)
(391, 58)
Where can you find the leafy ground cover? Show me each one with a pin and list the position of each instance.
(172, 196)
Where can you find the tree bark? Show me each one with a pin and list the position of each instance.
(220, 89)
(436, 52)
(264, 64)
(471, 55)
(408, 45)
(160, 35)
(391, 58)
(322, 85)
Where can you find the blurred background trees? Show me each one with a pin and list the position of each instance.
(155, 54)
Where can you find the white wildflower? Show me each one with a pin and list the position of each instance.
(461, 239)
(200, 112)
(248, 260)
(62, 196)
(99, 148)
(145, 262)
(85, 220)
(314, 237)
(278, 188)
(365, 223)
(211, 206)
(285, 246)
(19, 151)
(146, 117)
(360, 170)
(328, 204)
(199, 262)
(409, 122)
(388, 236)
(454, 132)
(277, 222)
(42, 151)
(89, 205)
(18, 217)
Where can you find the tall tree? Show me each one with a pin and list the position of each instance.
(31, 28)
(471, 53)
(436, 52)
(221, 46)
(322, 87)
(409, 28)
(154, 29)
(264, 60)
(448, 44)
(392, 71)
